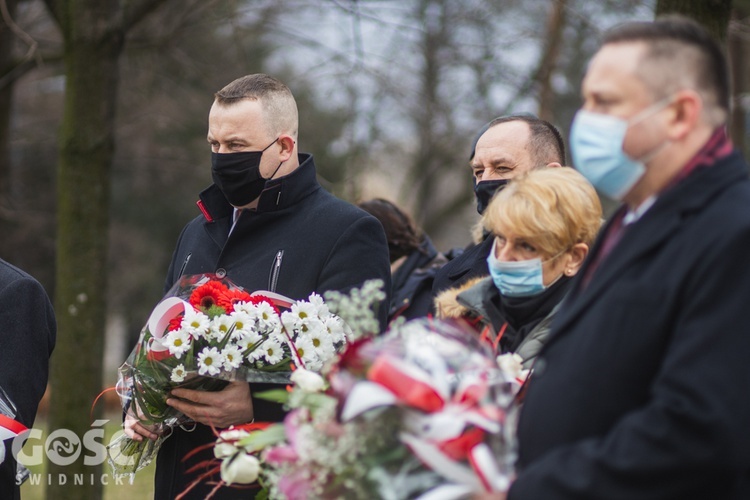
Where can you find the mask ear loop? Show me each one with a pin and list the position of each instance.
(280, 163)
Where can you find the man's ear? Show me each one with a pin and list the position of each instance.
(553, 164)
(287, 147)
(687, 109)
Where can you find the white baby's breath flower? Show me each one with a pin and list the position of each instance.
(178, 342)
(232, 357)
(178, 373)
(209, 361)
(307, 380)
(195, 323)
(240, 469)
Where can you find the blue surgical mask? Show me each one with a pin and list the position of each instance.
(596, 143)
(522, 278)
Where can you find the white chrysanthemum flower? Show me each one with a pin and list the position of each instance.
(306, 351)
(178, 342)
(321, 341)
(303, 312)
(272, 351)
(319, 304)
(248, 340)
(210, 361)
(195, 323)
(243, 323)
(335, 328)
(220, 326)
(178, 373)
(232, 356)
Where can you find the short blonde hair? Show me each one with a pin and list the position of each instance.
(551, 208)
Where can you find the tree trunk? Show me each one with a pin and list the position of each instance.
(6, 92)
(548, 62)
(713, 14)
(83, 186)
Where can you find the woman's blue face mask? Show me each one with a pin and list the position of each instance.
(521, 278)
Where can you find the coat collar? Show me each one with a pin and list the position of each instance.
(278, 194)
(655, 227)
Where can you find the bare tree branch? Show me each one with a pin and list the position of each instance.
(136, 10)
(31, 53)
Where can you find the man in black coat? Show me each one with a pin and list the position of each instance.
(504, 148)
(27, 338)
(643, 388)
(266, 224)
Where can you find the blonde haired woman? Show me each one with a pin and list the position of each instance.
(544, 223)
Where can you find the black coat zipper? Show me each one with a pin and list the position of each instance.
(273, 278)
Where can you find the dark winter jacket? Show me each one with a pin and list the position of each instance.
(524, 321)
(301, 239)
(472, 263)
(27, 337)
(412, 282)
(642, 388)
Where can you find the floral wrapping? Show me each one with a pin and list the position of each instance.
(425, 410)
(205, 332)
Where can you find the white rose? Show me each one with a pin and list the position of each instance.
(307, 381)
(224, 449)
(242, 469)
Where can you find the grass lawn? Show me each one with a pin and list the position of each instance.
(142, 487)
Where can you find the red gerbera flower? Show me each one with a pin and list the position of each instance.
(231, 297)
(257, 299)
(208, 295)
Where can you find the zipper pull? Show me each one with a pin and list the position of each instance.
(273, 279)
(184, 264)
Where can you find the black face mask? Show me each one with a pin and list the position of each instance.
(238, 175)
(485, 190)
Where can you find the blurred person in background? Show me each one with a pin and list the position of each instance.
(414, 260)
(541, 226)
(504, 148)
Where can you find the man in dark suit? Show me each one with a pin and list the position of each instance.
(505, 147)
(27, 337)
(643, 390)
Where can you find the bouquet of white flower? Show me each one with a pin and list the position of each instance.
(206, 332)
